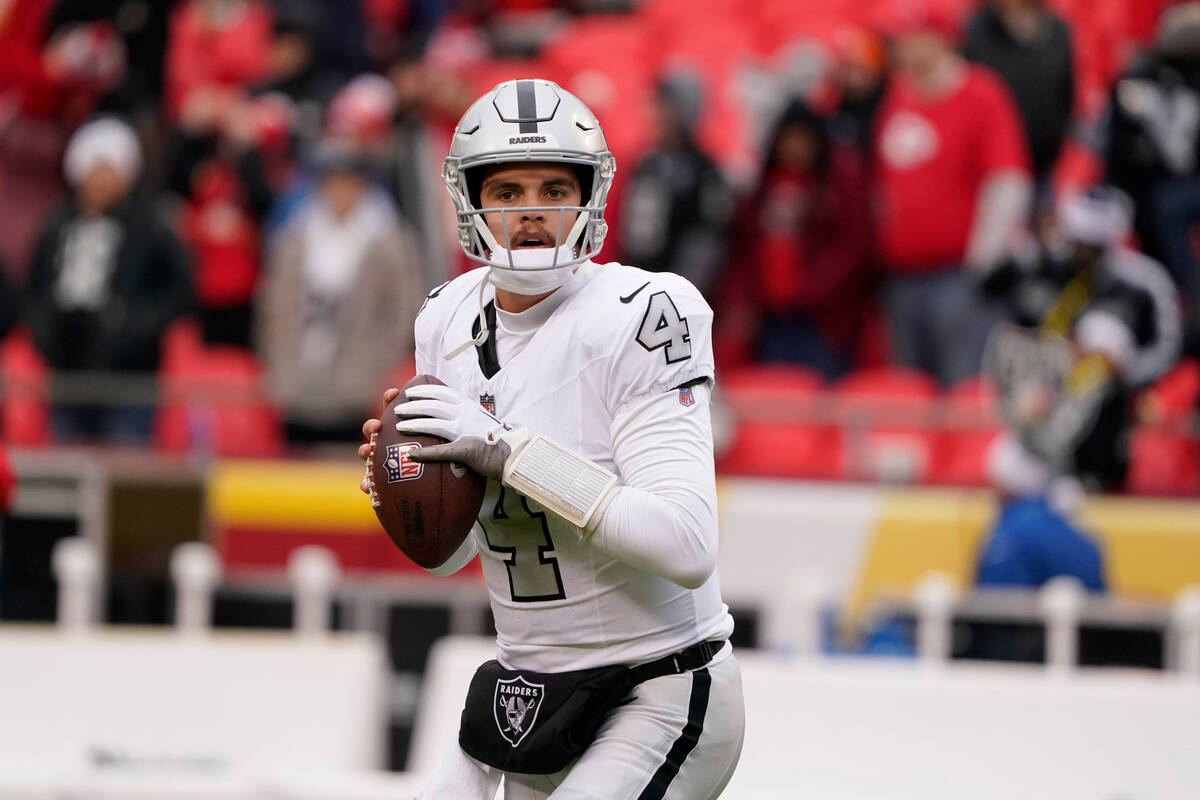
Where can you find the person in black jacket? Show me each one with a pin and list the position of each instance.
(1107, 320)
(1029, 47)
(1150, 138)
(106, 278)
(677, 206)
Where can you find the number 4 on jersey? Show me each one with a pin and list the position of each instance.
(663, 327)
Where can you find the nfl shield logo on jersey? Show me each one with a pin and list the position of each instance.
(686, 397)
(517, 704)
(399, 466)
(488, 401)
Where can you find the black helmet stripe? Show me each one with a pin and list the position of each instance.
(527, 107)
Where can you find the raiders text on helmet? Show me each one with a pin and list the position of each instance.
(529, 121)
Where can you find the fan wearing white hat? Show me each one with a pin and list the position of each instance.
(1034, 537)
(106, 278)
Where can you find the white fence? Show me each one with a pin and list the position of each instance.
(95, 713)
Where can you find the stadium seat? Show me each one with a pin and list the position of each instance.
(781, 430)
(604, 61)
(25, 416)
(969, 423)
(1163, 463)
(1176, 394)
(212, 403)
(885, 415)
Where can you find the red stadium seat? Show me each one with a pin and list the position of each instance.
(1163, 463)
(213, 403)
(885, 415)
(968, 426)
(25, 416)
(604, 61)
(1176, 394)
(780, 430)
(884, 388)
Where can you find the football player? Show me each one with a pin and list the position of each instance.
(581, 391)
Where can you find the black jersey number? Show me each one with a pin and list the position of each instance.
(522, 537)
(663, 327)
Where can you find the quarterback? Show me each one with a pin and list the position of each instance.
(581, 391)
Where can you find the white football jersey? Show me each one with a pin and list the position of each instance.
(615, 334)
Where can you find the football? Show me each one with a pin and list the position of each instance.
(426, 509)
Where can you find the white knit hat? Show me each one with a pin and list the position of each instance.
(102, 141)
(1102, 217)
(1014, 470)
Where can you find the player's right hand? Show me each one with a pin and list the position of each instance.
(369, 429)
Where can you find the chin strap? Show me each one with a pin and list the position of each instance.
(479, 338)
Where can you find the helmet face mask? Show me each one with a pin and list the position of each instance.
(529, 122)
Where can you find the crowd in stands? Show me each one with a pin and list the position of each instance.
(851, 183)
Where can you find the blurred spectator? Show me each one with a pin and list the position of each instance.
(799, 285)
(295, 69)
(1118, 311)
(10, 305)
(107, 278)
(338, 302)
(397, 27)
(861, 61)
(53, 74)
(215, 163)
(677, 205)
(1029, 47)
(392, 130)
(216, 43)
(1152, 146)
(953, 187)
(142, 26)
(1033, 538)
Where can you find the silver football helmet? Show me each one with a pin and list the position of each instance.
(522, 121)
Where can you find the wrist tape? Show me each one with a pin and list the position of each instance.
(562, 481)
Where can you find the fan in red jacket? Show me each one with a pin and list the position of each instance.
(952, 186)
(801, 286)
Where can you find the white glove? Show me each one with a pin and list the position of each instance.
(478, 440)
(562, 481)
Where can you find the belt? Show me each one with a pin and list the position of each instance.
(685, 660)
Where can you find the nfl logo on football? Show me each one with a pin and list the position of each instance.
(399, 466)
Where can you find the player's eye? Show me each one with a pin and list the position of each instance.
(506, 196)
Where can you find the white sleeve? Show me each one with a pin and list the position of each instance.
(423, 361)
(464, 555)
(663, 519)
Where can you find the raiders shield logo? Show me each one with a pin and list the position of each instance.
(686, 397)
(399, 466)
(516, 708)
(488, 401)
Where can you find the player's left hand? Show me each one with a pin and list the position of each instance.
(476, 438)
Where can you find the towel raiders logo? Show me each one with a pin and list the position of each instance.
(517, 704)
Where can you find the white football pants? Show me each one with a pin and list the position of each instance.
(679, 739)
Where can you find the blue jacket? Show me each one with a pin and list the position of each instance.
(1032, 543)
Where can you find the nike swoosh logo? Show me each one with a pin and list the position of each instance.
(430, 296)
(629, 298)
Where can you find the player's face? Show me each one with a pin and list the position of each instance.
(526, 185)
